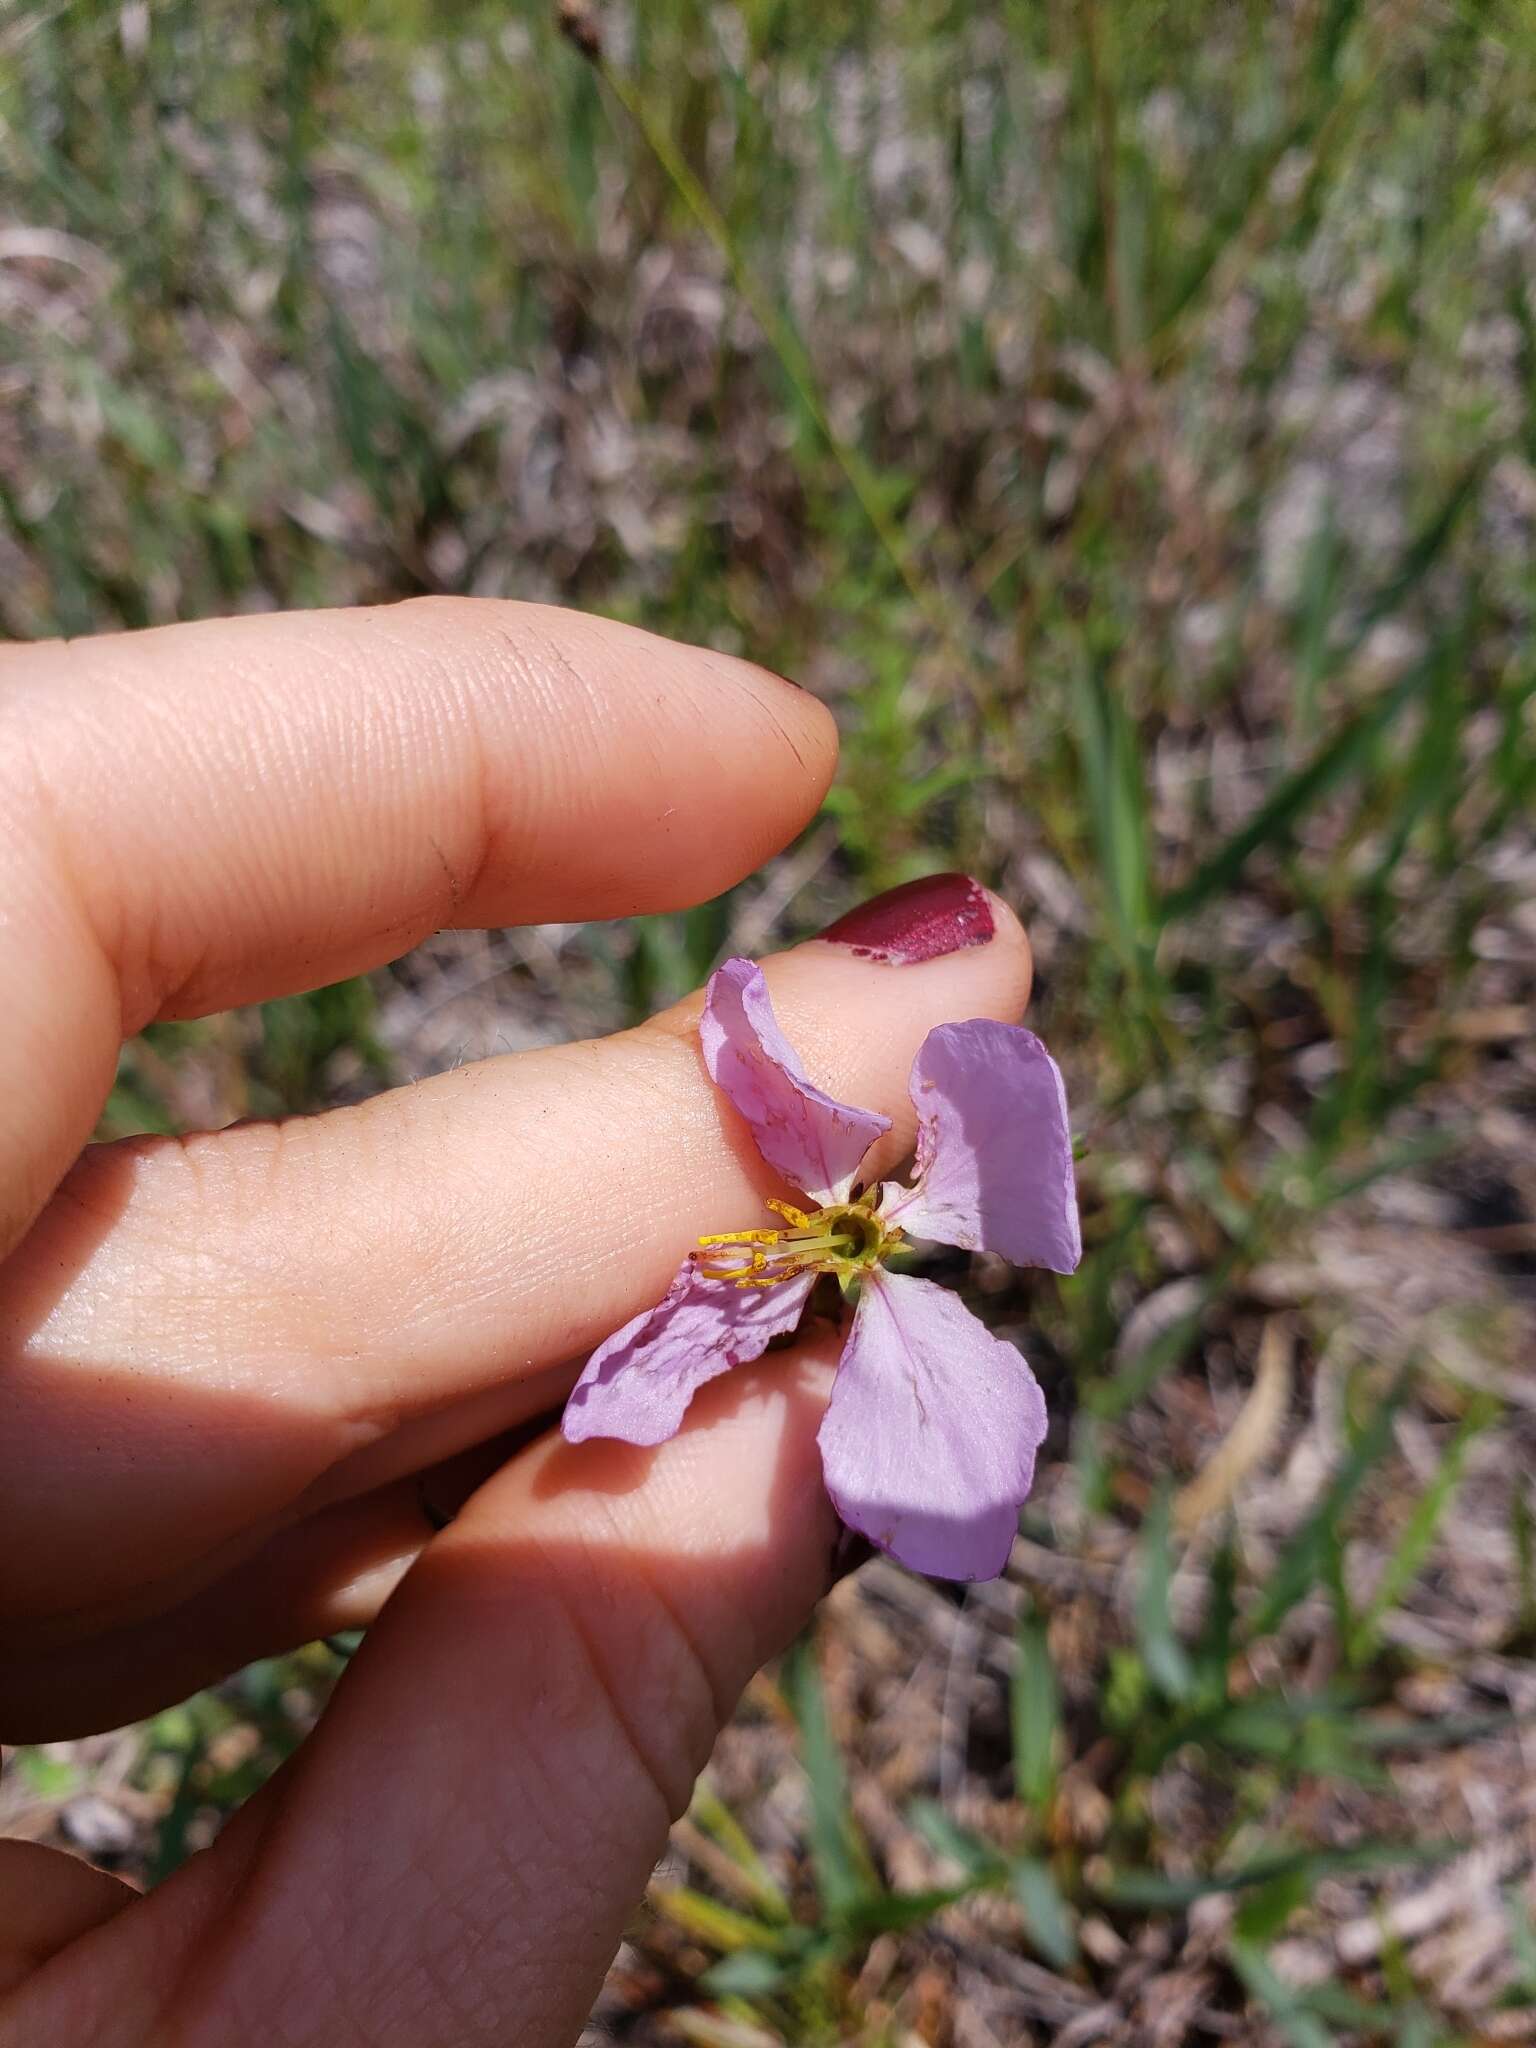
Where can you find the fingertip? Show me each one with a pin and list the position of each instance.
(539, 649)
(787, 735)
(808, 726)
(314, 792)
(1014, 953)
(934, 951)
(706, 763)
(933, 918)
(505, 637)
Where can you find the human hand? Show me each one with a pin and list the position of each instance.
(241, 1369)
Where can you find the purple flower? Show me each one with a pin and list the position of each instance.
(929, 1441)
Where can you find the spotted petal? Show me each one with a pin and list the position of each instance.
(637, 1385)
(928, 1446)
(994, 1150)
(803, 1134)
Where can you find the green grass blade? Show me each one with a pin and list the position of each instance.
(1299, 2026)
(895, 1912)
(1110, 763)
(1522, 1942)
(1303, 1562)
(943, 1833)
(721, 1927)
(1402, 1567)
(747, 1973)
(1522, 1529)
(1046, 1913)
(1276, 818)
(1157, 1892)
(844, 1874)
(1035, 1708)
(1349, 747)
(1164, 1655)
(710, 1812)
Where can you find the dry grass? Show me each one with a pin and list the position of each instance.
(1123, 418)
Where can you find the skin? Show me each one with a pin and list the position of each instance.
(236, 1365)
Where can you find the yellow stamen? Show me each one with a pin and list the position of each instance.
(844, 1238)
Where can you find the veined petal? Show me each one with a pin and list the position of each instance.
(803, 1134)
(637, 1385)
(994, 1150)
(928, 1446)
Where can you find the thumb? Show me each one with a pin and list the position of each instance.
(451, 1862)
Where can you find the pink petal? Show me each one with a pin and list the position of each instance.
(994, 1151)
(806, 1136)
(637, 1385)
(928, 1446)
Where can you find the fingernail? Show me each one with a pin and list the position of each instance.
(921, 920)
(780, 677)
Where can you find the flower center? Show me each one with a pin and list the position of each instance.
(845, 1238)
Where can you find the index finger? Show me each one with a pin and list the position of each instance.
(210, 814)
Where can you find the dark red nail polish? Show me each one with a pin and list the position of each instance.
(921, 920)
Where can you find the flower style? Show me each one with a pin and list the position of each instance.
(928, 1443)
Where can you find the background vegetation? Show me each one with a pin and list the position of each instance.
(1122, 414)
